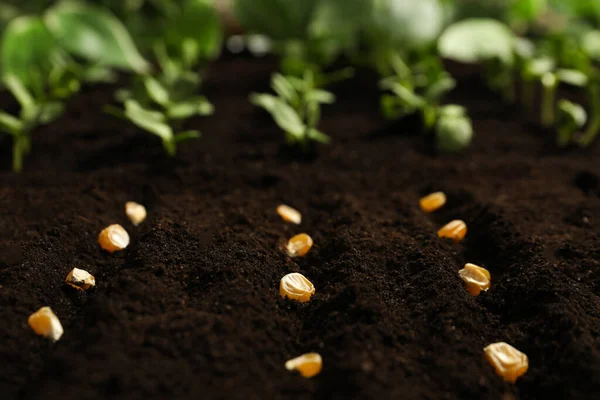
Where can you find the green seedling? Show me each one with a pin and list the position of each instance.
(571, 117)
(453, 129)
(34, 112)
(593, 128)
(550, 81)
(154, 122)
(297, 107)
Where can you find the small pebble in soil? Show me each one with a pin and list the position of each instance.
(113, 238)
(432, 202)
(455, 230)
(289, 214)
(476, 278)
(296, 287)
(135, 212)
(508, 362)
(309, 364)
(45, 323)
(299, 245)
(80, 279)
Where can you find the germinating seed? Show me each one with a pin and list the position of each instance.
(299, 245)
(476, 278)
(432, 202)
(288, 214)
(455, 230)
(296, 287)
(113, 238)
(135, 212)
(508, 362)
(45, 323)
(309, 364)
(80, 279)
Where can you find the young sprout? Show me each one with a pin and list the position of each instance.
(35, 111)
(532, 71)
(297, 107)
(453, 129)
(550, 81)
(593, 128)
(571, 117)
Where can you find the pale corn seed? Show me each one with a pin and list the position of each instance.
(296, 287)
(455, 230)
(299, 245)
(289, 214)
(309, 364)
(80, 279)
(508, 362)
(113, 238)
(135, 212)
(45, 323)
(476, 278)
(432, 202)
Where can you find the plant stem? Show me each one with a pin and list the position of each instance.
(591, 132)
(21, 146)
(549, 83)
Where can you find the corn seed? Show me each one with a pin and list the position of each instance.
(476, 278)
(299, 245)
(508, 362)
(288, 214)
(455, 230)
(296, 287)
(309, 364)
(432, 202)
(45, 323)
(113, 238)
(80, 279)
(135, 212)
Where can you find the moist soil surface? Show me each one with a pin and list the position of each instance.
(191, 309)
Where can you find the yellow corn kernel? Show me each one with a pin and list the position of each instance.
(135, 212)
(508, 362)
(476, 278)
(113, 238)
(309, 364)
(288, 214)
(45, 323)
(432, 202)
(299, 245)
(455, 230)
(296, 287)
(80, 279)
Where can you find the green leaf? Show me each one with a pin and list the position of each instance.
(156, 91)
(526, 11)
(318, 136)
(185, 136)
(571, 113)
(320, 96)
(284, 89)
(572, 77)
(195, 33)
(18, 89)
(284, 115)
(149, 120)
(95, 34)
(537, 67)
(591, 44)
(439, 88)
(476, 40)
(454, 131)
(28, 48)
(50, 111)
(10, 124)
(412, 24)
(195, 106)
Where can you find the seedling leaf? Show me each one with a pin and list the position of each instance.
(195, 106)
(156, 91)
(149, 120)
(475, 40)
(95, 34)
(185, 136)
(9, 124)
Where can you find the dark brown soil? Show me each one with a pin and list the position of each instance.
(192, 309)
